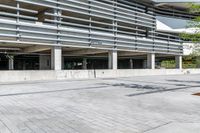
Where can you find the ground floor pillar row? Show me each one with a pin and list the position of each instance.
(112, 59)
(56, 58)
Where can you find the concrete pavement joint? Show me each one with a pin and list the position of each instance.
(157, 127)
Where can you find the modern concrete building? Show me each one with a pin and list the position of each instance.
(90, 34)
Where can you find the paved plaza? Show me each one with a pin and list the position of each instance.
(150, 104)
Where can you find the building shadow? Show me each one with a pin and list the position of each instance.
(184, 81)
(160, 91)
(137, 86)
(52, 91)
(151, 89)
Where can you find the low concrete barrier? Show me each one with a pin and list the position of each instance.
(18, 76)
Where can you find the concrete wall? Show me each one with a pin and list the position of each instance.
(18, 76)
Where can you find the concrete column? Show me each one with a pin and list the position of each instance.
(84, 63)
(45, 62)
(178, 59)
(11, 62)
(56, 58)
(24, 65)
(131, 63)
(112, 59)
(151, 61)
(144, 64)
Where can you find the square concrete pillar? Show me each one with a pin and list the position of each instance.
(131, 63)
(11, 62)
(178, 60)
(56, 58)
(144, 64)
(112, 59)
(84, 63)
(151, 61)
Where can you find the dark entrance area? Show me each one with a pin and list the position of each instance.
(3, 62)
(130, 63)
(72, 63)
(92, 63)
(21, 62)
(26, 62)
(98, 63)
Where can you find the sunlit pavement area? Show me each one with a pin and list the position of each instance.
(151, 104)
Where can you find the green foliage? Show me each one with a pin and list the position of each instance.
(198, 62)
(190, 61)
(168, 64)
(194, 8)
(194, 24)
(193, 37)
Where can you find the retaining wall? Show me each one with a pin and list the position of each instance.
(18, 76)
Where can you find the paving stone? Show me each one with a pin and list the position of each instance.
(150, 104)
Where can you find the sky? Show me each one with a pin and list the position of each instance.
(173, 23)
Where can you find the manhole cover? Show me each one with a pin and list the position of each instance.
(196, 94)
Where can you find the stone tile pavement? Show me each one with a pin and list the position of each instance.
(150, 104)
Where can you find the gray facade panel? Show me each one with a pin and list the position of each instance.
(106, 24)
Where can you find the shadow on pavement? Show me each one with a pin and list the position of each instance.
(160, 91)
(184, 81)
(52, 91)
(146, 89)
(150, 89)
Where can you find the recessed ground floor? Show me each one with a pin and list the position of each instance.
(60, 58)
(150, 104)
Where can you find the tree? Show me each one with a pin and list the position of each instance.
(194, 25)
(194, 36)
